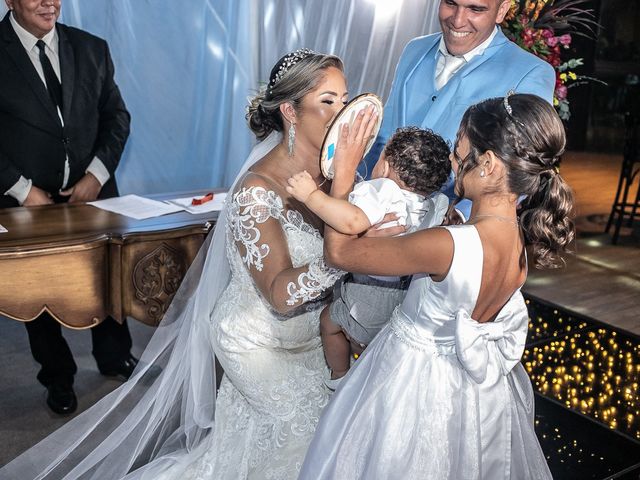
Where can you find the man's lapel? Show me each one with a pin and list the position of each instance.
(15, 50)
(428, 57)
(494, 47)
(67, 71)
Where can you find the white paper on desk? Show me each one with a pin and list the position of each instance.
(135, 206)
(3, 230)
(214, 205)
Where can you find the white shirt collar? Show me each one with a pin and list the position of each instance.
(479, 50)
(29, 40)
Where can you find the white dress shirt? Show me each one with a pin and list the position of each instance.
(449, 64)
(21, 188)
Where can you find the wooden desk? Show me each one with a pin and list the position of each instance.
(81, 263)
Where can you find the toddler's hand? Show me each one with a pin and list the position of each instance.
(301, 186)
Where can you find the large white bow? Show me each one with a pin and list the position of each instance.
(508, 333)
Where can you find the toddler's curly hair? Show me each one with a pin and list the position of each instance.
(420, 157)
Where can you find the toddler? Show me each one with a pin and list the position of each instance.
(405, 181)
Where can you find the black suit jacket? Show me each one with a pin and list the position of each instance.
(33, 143)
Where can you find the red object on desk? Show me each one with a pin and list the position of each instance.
(199, 201)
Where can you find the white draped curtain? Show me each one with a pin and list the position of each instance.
(369, 35)
(186, 68)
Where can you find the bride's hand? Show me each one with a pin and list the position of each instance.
(376, 231)
(353, 141)
(301, 186)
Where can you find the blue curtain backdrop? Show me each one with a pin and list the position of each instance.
(186, 68)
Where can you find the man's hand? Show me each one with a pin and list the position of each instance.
(301, 186)
(453, 217)
(37, 196)
(86, 190)
(353, 141)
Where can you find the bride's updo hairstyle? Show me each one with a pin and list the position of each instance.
(292, 77)
(526, 134)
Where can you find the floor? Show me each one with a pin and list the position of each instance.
(601, 280)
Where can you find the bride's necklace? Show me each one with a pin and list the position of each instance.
(497, 217)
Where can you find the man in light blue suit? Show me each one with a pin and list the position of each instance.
(440, 75)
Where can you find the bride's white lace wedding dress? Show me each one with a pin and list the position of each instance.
(272, 393)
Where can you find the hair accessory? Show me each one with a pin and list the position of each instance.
(508, 108)
(287, 62)
(552, 171)
(505, 102)
(547, 175)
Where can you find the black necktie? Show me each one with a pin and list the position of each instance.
(53, 85)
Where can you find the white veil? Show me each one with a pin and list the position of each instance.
(161, 418)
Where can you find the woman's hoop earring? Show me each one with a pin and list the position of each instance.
(292, 138)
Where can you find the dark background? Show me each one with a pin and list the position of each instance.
(597, 111)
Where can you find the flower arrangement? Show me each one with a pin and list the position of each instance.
(545, 28)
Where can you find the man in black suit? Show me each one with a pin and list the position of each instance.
(63, 126)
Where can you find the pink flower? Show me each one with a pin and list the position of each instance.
(561, 92)
(552, 41)
(528, 37)
(547, 33)
(565, 39)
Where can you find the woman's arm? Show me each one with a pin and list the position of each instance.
(338, 213)
(254, 221)
(427, 251)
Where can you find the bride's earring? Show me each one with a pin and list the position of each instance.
(292, 138)
(482, 173)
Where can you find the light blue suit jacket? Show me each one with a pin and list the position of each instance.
(415, 101)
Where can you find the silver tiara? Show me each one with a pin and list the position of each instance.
(508, 108)
(505, 102)
(289, 61)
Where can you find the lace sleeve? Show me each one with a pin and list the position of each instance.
(251, 207)
(313, 282)
(258, 225)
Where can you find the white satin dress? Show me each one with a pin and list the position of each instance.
(436, 395)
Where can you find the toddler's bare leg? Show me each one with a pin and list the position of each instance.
(335, 344)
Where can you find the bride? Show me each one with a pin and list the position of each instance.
(253, 300)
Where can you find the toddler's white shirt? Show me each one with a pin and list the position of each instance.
(380, 196)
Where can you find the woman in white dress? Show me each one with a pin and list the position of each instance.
(265, 327)
(440, 392)
(253, 300)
